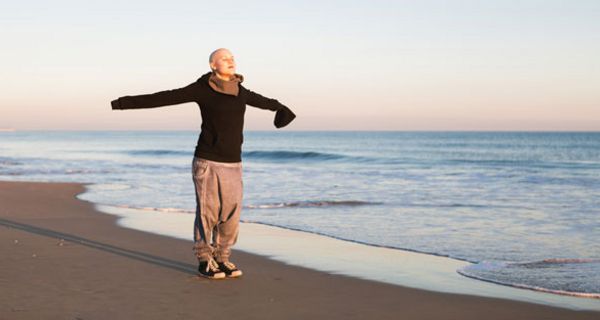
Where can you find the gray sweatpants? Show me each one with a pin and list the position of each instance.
(219, 189)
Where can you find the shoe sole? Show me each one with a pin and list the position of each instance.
(213, 277)
(234, 275)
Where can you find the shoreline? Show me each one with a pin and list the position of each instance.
(399, 266)
(76, 277)
(337, 256)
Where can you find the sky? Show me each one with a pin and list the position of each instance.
(339, 65)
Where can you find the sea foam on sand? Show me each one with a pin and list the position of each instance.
(336, 256)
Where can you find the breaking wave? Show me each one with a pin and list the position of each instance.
(547, 275)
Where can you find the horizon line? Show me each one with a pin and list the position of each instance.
(9, 130)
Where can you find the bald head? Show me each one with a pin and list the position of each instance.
(221, 61)
(217, 53)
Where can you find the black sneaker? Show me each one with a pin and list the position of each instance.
(210, 269)
(230, 269)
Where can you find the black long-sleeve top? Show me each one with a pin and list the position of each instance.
(221, 134)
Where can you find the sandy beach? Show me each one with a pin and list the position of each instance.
(63, 259)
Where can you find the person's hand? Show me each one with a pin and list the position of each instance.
(283, 117)
(116, 104)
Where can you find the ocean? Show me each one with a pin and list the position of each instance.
(522, 207)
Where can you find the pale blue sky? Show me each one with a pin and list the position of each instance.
(339, 65)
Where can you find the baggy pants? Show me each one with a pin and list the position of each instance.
(219, 189)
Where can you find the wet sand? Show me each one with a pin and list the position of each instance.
(62, 259)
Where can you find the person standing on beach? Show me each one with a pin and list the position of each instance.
(217, 163)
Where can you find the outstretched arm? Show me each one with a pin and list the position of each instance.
(157, 99)
(283, 115)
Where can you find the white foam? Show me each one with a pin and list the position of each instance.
(472, 269)
(323, 253)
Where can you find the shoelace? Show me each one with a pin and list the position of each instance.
(212, 265)
(229, 265)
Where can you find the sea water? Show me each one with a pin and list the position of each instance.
(522, 207)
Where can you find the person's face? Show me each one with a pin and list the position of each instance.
(223, 63)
